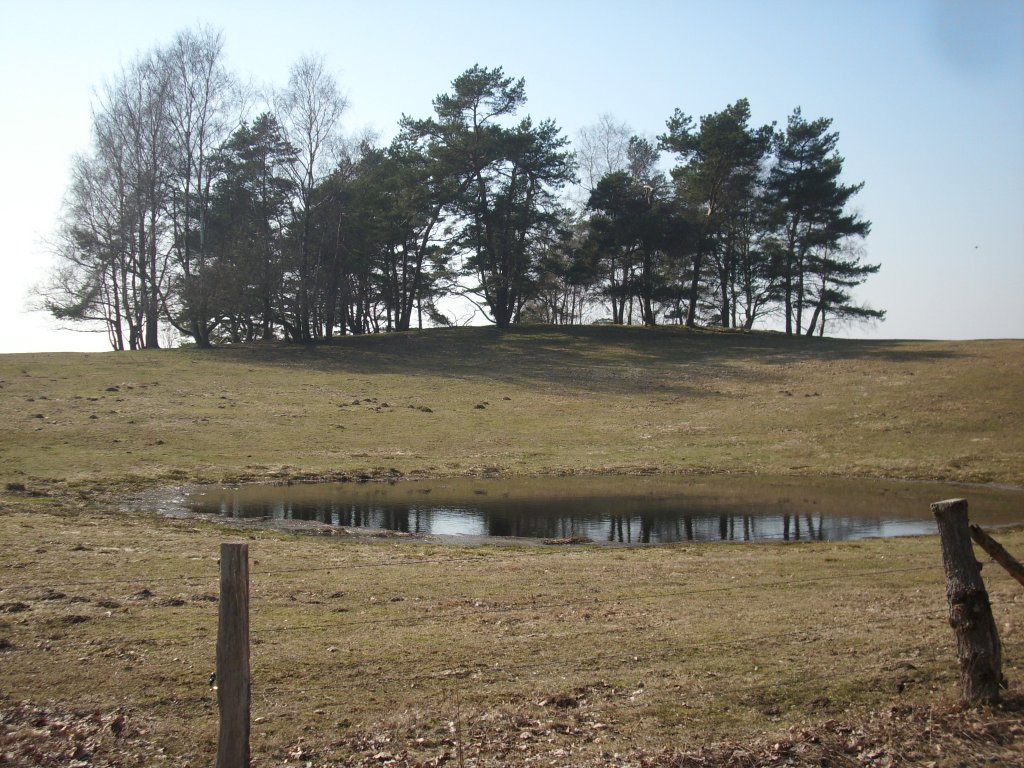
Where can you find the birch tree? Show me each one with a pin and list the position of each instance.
(204, 107)
(310, 109)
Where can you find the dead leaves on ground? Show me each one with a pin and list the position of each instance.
(41, 736)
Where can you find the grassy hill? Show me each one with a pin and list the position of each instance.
(534, 399)
(410, 652)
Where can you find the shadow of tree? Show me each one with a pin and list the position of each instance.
(601, 359)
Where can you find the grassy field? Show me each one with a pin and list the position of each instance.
(552, 400)
(394, 651)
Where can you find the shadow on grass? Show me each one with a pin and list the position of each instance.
(607, 359)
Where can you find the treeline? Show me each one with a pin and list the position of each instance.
(188, 211)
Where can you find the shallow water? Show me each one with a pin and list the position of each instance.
(618, 509)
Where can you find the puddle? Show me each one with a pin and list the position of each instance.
(628, 510)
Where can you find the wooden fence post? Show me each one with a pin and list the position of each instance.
(233, 657)
(970, 613)
(998, 553)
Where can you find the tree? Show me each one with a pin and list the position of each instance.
(749, 273)
(719, 167)
(133, 131)
(567, 277)
(116, 212)
(90, 283)
(808, 203)
(401, 196)
(201, 113)
(183, 215)
(741, 265)
(601, 148)
(638, 233)
(504, 184)
(628, 231)
(147, 175)
(310, 109)
(237, 286)
(836, 271)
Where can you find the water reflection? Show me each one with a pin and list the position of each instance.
(618, 510)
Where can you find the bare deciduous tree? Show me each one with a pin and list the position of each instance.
(310, 109)
(203, 109)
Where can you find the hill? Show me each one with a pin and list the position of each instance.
(534, 399)
(412, 652)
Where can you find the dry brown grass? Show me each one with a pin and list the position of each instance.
(403, 652)
(577, 399)
(413, 653)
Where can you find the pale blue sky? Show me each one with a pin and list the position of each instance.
(928, 98)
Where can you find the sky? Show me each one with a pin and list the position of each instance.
(927, 97)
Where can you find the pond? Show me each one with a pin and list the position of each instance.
(627, 510)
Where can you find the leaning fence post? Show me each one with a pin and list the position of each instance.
(998, 553)
(233, 657)
(970, 613)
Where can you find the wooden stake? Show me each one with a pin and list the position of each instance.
(997, 552)
(970, 613)
(233, 657)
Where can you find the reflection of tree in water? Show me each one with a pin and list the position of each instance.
(792, 532)
(620, 529)
(633, 525)
(534, 526)
(688, 527)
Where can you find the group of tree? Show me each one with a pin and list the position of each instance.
(751, 223)
(189, 212)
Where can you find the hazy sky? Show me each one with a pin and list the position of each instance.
(927, 96)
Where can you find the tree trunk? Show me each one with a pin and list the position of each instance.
(814, 321)
(970, 613)
(788, 288)
(691, 311)
(151, 292)
(798, 323)
(725, 303)
(788, 277)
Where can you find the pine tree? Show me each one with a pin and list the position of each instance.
(809, 204)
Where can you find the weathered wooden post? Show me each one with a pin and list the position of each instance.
(998, 553)
(970, 613)
(233, 657)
